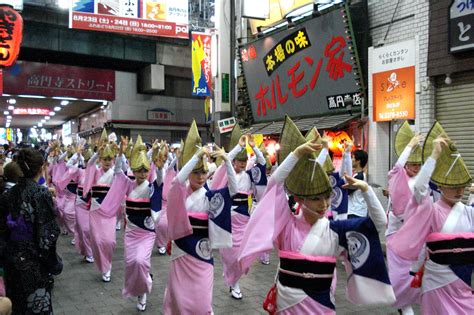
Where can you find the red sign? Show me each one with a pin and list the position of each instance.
(31, 111)
(11, 34)
(117, 24)
(35, 78)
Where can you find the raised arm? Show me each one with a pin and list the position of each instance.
(422, 180)
(374, 207)
(346, 167)
(260, 158)
(289, 163)
(237, 149)
(231, 176)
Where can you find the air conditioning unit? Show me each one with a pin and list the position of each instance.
(151, 79)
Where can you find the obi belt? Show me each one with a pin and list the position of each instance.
(197, 244)
(72, 187)
(139, 213)
(451, 249)
(80, 192)
(99, 193)
(240, 204)
(312, 274)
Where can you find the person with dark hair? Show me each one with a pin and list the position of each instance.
(31, 256)
(357, 207)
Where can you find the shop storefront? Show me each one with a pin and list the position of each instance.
(451, 67)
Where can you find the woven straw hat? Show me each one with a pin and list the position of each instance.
(328, 166)
(138, 158)
(128, 149)
(402, 138)
(191, 145)
(234, 140)
(450, 170)
(307, 179)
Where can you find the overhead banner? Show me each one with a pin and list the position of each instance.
(165, 18)
(201, 64)
(393, 81)
(300, 71)
(34, 78)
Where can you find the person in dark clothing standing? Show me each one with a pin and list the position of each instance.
(30, 254)
(357, 206)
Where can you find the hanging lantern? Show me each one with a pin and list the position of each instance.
(337, 143)
(11, 34)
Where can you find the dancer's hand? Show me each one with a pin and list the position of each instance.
(307, 148)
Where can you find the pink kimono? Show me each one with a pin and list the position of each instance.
(198, 221)
(398, 268)
(162, 222)
(446, 288)
(247, 183)
(312, 250)
(139, 228)
(102, 219)
(57, 170)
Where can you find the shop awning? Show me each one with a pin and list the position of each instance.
(304, 124)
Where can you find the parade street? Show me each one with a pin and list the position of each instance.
(80, 290)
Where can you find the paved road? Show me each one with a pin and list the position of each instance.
(80, 290)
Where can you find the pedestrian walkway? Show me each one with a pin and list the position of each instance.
(80, 290)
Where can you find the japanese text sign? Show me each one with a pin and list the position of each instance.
(11, 35)
(461, 26)
(290, 45)
(31, 111)
(294, 71)
(34, 78)
(393, 81)
(166, 18)
(201, 64)
(160, 114)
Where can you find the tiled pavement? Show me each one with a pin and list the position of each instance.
(80, 290)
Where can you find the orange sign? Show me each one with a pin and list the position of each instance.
(394, 94)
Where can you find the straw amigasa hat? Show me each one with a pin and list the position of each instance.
(234, 140)
(159, 151)
(402, 138)
(450, 170)
(128, 150)
(328, 166)
(192, 144)
(307, 179)
(109, 151)
(138, 158)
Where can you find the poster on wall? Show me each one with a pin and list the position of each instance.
(302, 71)
(201, 64)
(393, 81)
(165, 18)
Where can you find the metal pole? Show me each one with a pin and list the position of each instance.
(232, 58)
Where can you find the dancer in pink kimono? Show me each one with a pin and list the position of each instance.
(309, 244)
(198, 221)
(247, 183)
(401, 180)
(76, 174)
(446, 227)
(139, 195)
(67, 185)
(102, 221)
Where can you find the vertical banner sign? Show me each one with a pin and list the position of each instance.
(393, 81)
(461, 26)
(201, 64)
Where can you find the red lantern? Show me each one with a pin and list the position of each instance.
(11, 34)
(338, 139)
